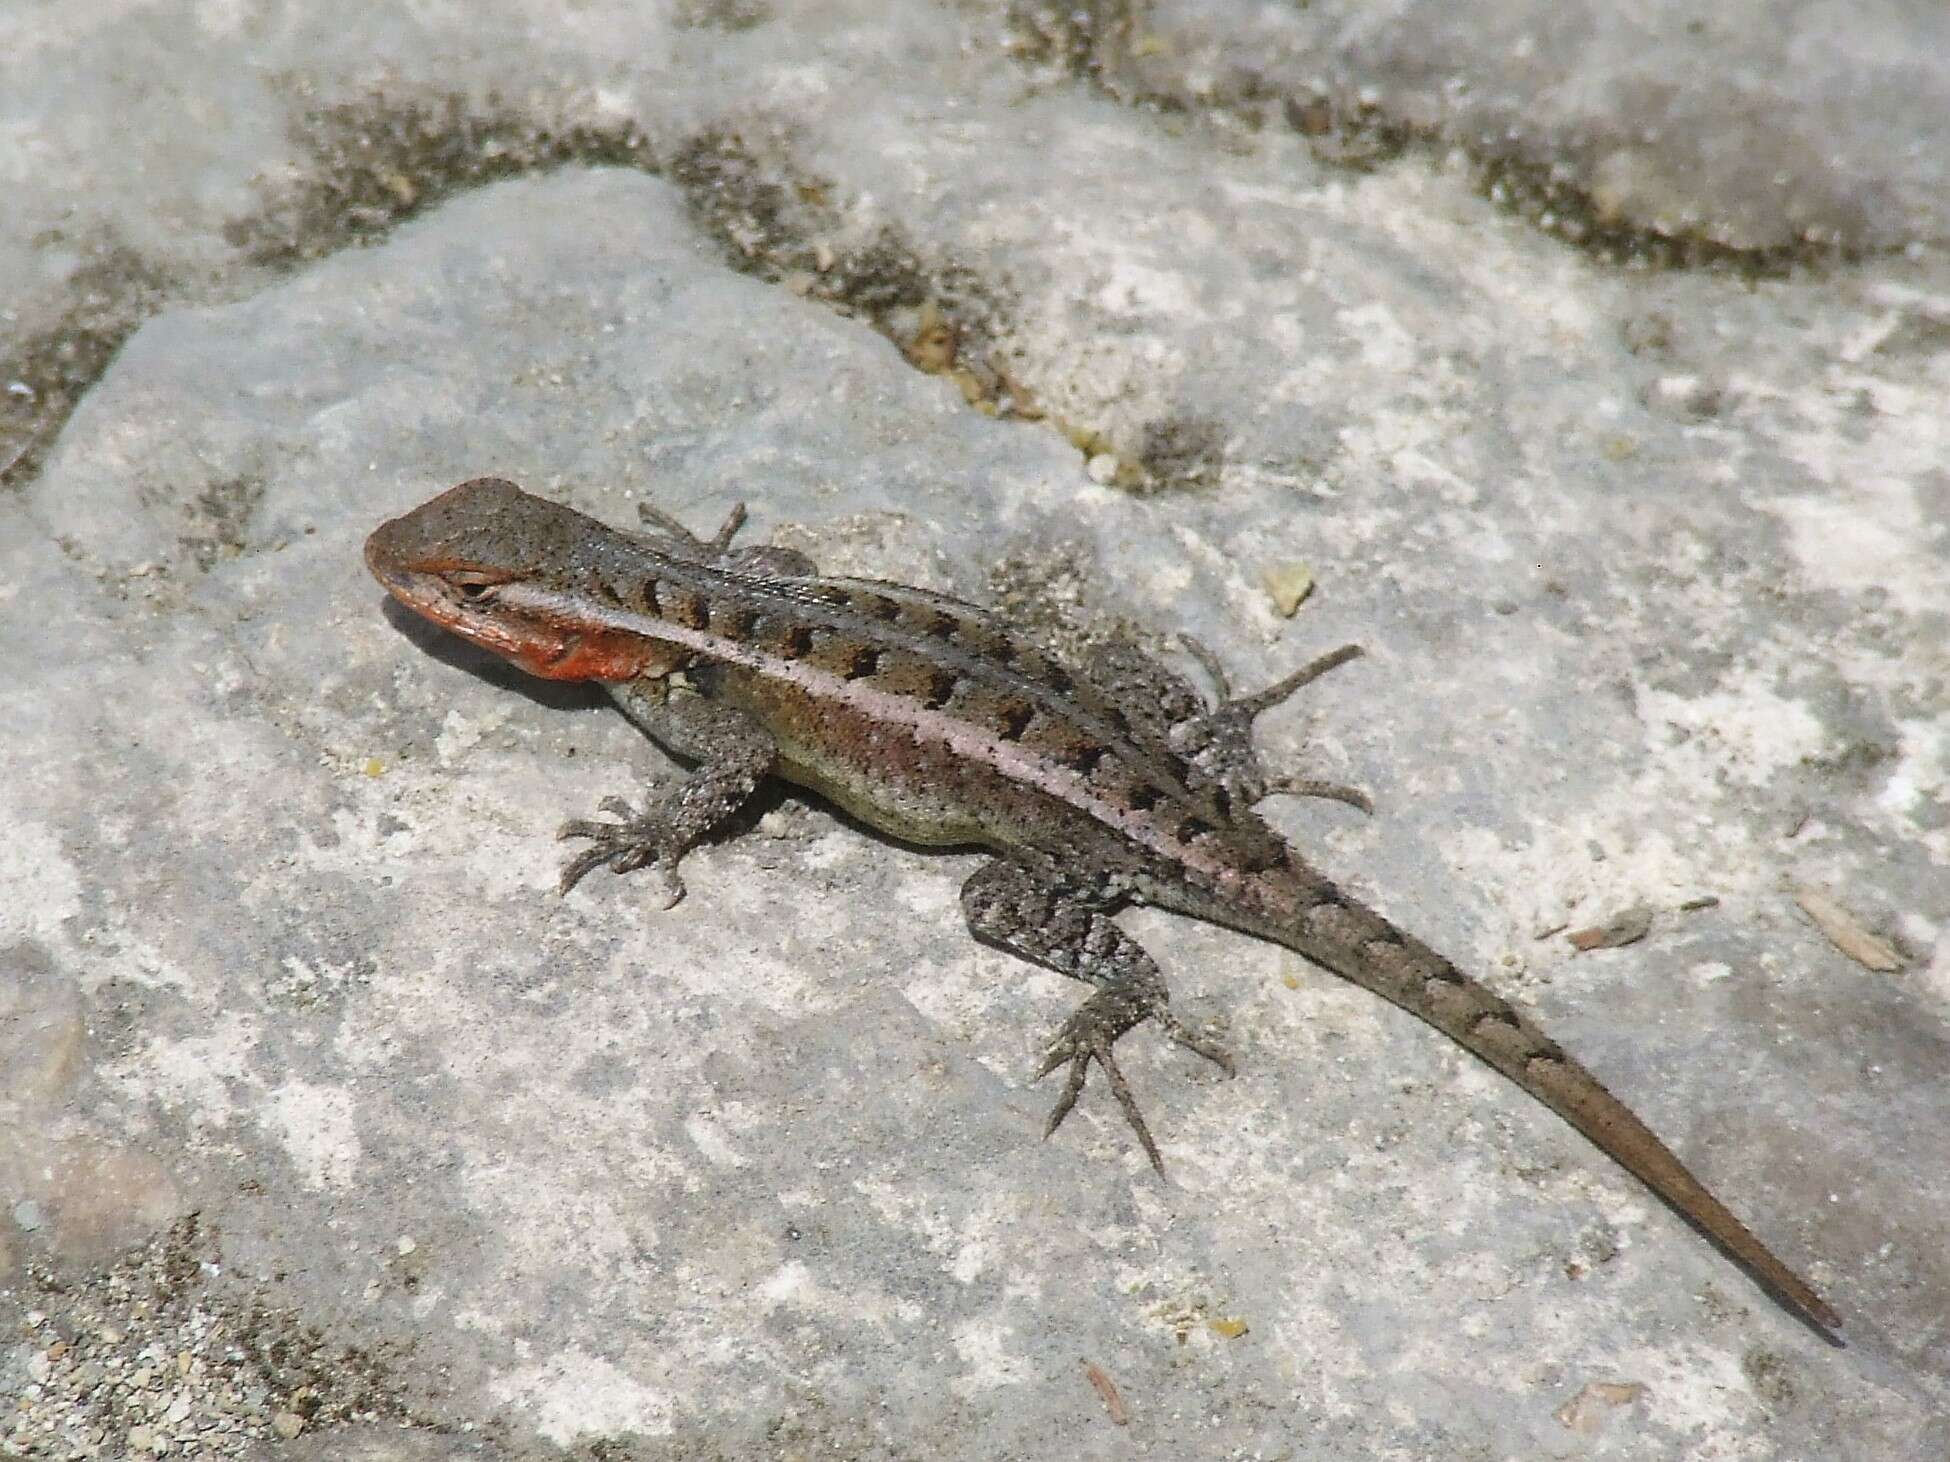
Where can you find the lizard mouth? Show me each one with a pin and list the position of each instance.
(380, 559)
(440, 588)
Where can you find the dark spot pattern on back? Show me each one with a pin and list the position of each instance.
(733, 620)
(1260, 853)
(1085, 756)
(689, 608)
(646, 597)
(1191, 827)
(941, 685)
(1011, 688)
(1016, 716)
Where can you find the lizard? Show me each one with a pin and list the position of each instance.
(931, 720)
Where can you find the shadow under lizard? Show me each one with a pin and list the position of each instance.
(931, 720)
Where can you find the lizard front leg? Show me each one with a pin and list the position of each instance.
(767, 558)
(734, 754)
(1032, 916)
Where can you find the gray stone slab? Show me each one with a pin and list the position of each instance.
(1753, 126)
(334, 1120)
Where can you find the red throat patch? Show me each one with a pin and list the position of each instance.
(593, 655)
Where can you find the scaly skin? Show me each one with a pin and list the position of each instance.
(932, 721)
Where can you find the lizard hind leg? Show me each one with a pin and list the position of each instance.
(1034, 917)
(1220, 740)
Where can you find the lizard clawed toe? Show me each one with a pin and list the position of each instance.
(1314, 787)
(1089, 1035)
(637, 839)
(1080, 1050)
(1191, 1041)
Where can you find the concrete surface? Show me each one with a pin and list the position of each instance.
(330, 1132)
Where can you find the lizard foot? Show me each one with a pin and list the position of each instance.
(1090, 1033)
(635, 840)
(1220, 740)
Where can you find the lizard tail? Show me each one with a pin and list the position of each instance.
(1330, 928)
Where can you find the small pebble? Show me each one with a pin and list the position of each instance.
(1289, 584)
(287, 1424)
(28, 1215)
(1688, 395)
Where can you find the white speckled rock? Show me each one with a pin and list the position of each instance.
(1649, 567)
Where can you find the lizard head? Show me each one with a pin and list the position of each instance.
(488, 561)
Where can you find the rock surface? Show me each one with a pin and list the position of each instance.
(331, 1132)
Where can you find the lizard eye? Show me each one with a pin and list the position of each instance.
(473, 587)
